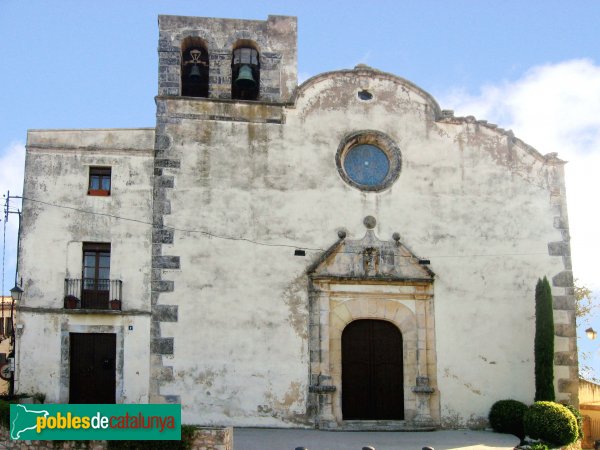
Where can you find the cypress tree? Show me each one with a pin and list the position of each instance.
(544, 342)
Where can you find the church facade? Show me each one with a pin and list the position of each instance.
(341, 254)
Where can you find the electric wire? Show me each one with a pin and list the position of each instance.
(252, 241)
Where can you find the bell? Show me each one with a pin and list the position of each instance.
(195, 73)
(245, 80)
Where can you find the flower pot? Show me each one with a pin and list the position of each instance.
(115, 304)
(71, 302)
(99, 192)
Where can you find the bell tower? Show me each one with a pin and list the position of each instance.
(218, 80)
(227, 58)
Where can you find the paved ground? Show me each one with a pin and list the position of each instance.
(278, 439)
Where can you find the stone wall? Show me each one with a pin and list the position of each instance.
(205, 438)
(274, 38)
(211, 438)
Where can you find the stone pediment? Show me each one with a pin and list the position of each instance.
(370, 258)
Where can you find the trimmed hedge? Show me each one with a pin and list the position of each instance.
(579, 418)
(506, 416)
(552, 423)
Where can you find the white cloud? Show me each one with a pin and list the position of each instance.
(12, 166)
(12, 161)
(555, 108)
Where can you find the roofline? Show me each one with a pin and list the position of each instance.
(362, 69)
(38, 130)
(441, 116)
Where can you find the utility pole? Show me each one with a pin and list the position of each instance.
(7, 212)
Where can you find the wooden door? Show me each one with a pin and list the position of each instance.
(372, 371)
(92, 372)
(96, 273)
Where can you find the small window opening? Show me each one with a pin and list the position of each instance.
(298, 252)
(194, 68)
(365, 95)
(100, 181)
(245, 74)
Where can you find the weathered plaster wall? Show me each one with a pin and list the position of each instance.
(219, 303)
(55, 224)
(48, 371)
(481, 205)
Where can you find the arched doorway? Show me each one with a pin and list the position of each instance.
(372, 371)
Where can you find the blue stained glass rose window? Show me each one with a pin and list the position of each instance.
(368, 160)
(366, 165)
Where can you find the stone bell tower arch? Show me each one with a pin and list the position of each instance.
(374, 280)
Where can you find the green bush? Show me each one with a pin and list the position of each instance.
(5, 403)
(552, 423)
(187, 434)
(506, 416)
(538, 446)
(5, 413)
(579, 418)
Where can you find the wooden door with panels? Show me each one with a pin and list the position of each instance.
(92, 367)
(372, 371)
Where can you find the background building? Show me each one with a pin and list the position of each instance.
(342, 253)
(6, 328)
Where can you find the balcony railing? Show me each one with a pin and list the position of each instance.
(93, 293)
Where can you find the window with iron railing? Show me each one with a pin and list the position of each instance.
(77, 296)
(95, 289)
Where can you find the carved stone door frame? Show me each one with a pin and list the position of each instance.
(370, 278)
(407, 305)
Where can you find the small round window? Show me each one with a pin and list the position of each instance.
(366, 164)
(368, 160)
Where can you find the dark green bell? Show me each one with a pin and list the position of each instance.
(195, 73)
(245, 80)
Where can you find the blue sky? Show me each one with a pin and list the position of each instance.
(533, 67)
